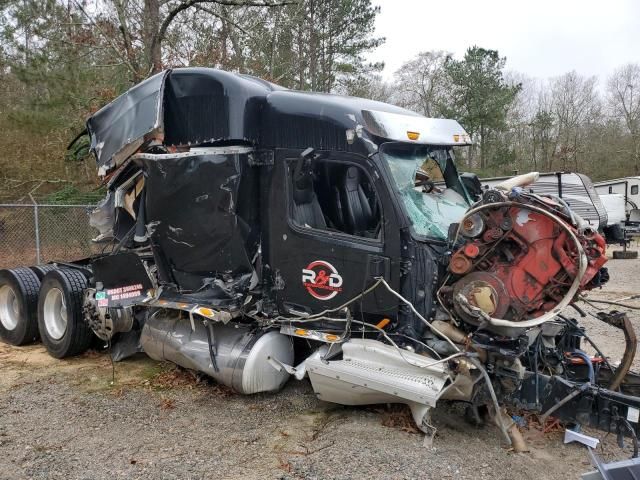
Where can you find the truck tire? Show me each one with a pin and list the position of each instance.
(614, 233)
(625, 255)
(61, 323)
(19, 306)
(42, 270)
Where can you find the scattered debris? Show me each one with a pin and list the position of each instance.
(168, 404)
(573, 436)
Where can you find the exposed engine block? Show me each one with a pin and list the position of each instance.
(513, 261)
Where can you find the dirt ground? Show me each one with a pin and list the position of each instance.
(67, 420)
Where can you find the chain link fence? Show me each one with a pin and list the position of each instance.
(31, 234)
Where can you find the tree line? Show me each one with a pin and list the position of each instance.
(61, 60)
(570, 122)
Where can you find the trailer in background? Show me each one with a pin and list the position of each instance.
(629, 188)
(575, 189)
(621, 197)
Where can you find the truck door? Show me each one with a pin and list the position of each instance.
(331, 231)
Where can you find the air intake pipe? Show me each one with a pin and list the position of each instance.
(241, 354)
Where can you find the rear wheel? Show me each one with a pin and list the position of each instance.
(60, 319)
(42, 270)
(18, 306)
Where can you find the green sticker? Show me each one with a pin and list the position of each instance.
(101, 295)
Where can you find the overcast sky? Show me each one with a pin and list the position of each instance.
(541, 38)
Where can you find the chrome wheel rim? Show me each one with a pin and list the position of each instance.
(55, 314)
(9, 308)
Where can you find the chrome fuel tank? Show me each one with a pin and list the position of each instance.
(241, 354)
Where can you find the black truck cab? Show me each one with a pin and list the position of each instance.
(310, 195)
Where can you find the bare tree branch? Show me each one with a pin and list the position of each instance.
(224, 18)
(113, 46)
(126, 34)
(159, 37)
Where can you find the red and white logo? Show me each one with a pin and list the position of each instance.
(322, 280)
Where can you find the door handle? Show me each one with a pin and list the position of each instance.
(378, 266)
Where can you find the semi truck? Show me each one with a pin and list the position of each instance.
(259, 234)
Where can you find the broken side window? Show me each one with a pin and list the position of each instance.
(334, 196)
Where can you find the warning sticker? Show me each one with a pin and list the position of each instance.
(125, 292)
(120, 296)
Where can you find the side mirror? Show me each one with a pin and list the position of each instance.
(303, 164)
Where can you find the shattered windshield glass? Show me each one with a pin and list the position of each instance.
(418, 173)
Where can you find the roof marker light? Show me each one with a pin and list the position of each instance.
(413, 135)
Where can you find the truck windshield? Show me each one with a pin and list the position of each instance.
(419, 175)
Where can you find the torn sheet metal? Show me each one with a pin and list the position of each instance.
(200, 106)
(206, 311)
(191, 207)
(573, 436)
(373, 372)
(102, 218)
(119, 129)
(189, 106)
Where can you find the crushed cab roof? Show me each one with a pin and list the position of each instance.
(200, 106)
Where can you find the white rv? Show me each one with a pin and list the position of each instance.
(575, 189)
(629, 187)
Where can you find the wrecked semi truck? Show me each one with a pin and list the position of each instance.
(256, 233)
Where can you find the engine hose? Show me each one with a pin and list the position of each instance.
(566, 300)
(212, 352)
(417, 314)
(632, 434)
(587, 361)
(573, 324)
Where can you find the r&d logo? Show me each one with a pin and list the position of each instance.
(322, 280)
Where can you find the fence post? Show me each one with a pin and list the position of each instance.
(37, 228)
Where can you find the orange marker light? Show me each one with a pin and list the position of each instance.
(413, 135)
(383, 323)
(456, 138)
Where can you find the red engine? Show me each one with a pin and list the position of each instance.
(517, 263)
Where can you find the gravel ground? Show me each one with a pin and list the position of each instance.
(65, 420)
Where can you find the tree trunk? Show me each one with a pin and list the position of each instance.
(151, 28)
(483, 143)
(313, 46)
(301, 59)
